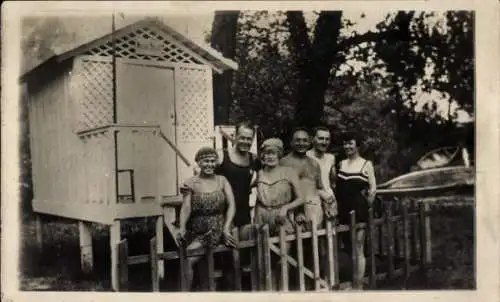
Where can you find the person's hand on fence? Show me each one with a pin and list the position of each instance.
(283, 215)
(229, 239)
(301, 219)
(181, 237)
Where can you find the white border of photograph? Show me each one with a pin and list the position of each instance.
(487, 218)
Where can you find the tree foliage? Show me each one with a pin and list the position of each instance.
(297, 71)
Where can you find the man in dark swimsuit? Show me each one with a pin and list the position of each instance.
(238, 165)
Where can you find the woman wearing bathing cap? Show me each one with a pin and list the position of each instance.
(278, 193)
(207, 210)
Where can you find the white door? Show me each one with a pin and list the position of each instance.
(146, 96)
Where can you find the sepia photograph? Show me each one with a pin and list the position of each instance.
(295, 150)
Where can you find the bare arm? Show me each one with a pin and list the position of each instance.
(231, 209)
(333, 174)
(185, 211)
(372, 182)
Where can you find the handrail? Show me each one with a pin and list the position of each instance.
(116, 127)
(172, 145)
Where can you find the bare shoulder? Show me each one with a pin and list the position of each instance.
(286, 160)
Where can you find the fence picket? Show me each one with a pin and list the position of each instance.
(390, 243)
(267, 258)
(423, 240)
(414, 231)
(300, 257)
(254, 262)
(236, 261)
(331, 255)
(315, 250)
(372, 239)
(406, 244)
(183, 267)
(354, 254)
(260, 258)
(153, 258)
(284, 262)
(123, 264)
(210, 269)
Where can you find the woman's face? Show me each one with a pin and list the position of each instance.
(207, 165)
(350, 147)
(270, 157)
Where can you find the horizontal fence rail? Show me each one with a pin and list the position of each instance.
(397, 244)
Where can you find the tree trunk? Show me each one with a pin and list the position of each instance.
(314, 61)
(223, 39)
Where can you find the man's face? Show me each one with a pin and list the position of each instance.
(244, 138)
(300, 142)
(321, 140)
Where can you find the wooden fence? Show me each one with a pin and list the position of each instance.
(397, 243)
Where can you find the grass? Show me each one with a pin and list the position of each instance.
(57, 266)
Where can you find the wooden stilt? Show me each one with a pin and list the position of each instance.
(86, 255)
(159, 246)
(39, 231)
(114, 239)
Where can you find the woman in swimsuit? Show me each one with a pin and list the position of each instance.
(278, 193)
(207, 210)
(355, 191)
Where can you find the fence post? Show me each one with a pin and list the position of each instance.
(236, 261)
(123, 265)
(254, 261)
(153, 258)
(284, 262)
(414, 230)
(396, 227)
(406, 243)
(428, 245)
(315, 250)
(373, 268)
(423, 242)
(381, 234)
(331, 255)
(390, 243)
(267, 258)
(260, 263)
(354, 246)
(300, 257)
(183, 267)
(210, 268)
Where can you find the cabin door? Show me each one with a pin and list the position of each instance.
(145, 96)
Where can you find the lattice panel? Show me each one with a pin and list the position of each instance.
(193, 105)
(126, 47)
(94, 86)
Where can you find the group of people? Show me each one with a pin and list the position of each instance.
(306, 185)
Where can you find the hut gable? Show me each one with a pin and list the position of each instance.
(149, 39)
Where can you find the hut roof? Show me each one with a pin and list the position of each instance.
(215, 59)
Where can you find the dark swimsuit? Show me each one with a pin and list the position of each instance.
(239, 177)
(351, 191)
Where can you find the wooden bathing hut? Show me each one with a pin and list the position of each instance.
(114, 124)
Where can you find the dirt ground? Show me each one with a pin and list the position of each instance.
(57, 266)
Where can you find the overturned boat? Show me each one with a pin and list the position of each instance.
(441, 172)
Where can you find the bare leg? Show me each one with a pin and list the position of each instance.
(360, 270)
(191, 262)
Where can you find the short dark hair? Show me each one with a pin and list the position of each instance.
(321, 128)
(297, 129)
(352, 135)
(244, 124)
